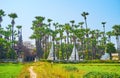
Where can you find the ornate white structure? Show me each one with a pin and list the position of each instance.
(106, 56)
(50, 56)
(74, 55)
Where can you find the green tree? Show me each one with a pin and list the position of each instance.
(103, 23)
(2, 13)
(116, 30)
(13, 16)
(84, 14)
(38, 33)
(20, 42)
(109, 33)
(61, 30)
(110, 49)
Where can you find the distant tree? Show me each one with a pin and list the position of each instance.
(13, 16)
(20, 42)
(103, 23)
(116, 30)
(109, 33)
(84, 14)
(110, 49)
(38, 33)
(2, 13)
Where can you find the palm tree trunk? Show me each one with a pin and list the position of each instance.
(39, 48)
(75, 47)
(13, 22)
(118, 45)
(61, 49)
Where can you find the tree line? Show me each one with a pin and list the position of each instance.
(91, 44)
(10, 39)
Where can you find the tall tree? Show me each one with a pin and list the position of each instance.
(2, 13)
(20, 42)
(53, 34)
(61, 37)
(109, 33)
(38, 33)
(13, 16)
(67, 29)
(103, 23)
(84, 14)
(116, 30)
(81, 24)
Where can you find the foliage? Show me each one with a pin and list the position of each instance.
(110, 48)
(70, 68)
(8, 43)
(6, 52)
(101, 75)
(13, 15)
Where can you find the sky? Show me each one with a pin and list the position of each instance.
(62, 11)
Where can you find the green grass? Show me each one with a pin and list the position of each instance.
(9, 70)
(58, 70)
(48, 70)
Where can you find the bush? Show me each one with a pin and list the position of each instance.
(99, 61)
(77, 62)
(101, 75)
(70, 68)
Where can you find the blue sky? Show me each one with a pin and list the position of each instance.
(62, 11)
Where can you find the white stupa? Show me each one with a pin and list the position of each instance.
(106, 56)
(50, 56)
(74, 52)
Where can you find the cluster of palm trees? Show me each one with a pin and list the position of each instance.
(91, 44)
(10, 47)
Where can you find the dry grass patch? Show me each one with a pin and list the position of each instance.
(49, 70)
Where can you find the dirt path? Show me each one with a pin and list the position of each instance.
(32, 73)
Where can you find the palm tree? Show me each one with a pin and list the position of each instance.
(56, 25)
(38, 34)
(116, 30)
(61, 37)
(81, 24)
(19, 27)
(54, 33)
(84, 14)
(2, 13)
(81, 36)
(103, 23)
(20, 43)
(9, 29)
(67, 29)
(72, 22)
(93, 43)
(48, 37)
(109, 33)
(49, 21)
(13, 16)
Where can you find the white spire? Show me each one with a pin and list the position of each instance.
(74, 52)
(50, 56)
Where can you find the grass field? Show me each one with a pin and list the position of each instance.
(48, 70)
(56, 70)
(9, 70)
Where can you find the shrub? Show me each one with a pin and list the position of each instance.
(70, 68)
(101, 75)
